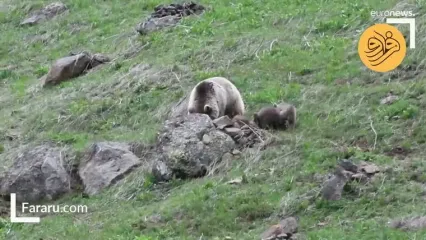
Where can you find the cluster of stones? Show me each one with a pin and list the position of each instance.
(244, 135)
(180, 10)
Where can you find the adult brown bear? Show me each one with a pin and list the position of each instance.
(216, 97)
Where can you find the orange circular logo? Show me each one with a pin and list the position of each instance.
(382, 47)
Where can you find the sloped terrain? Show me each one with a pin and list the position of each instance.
(302, 52)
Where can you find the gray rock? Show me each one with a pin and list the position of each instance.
(271, 233)
(98, 59)
(284, 230)
(106, 163)
(227, 157)
(37, 174)
(67, 68)
(389, 99)
(298, 236)
(368, 168)
(179, 109)
(236, 152)
(206, 139)
(54, 9)
(33, 19)
(223, 122)
(182, 149)
(234, 132)
(289, 225)
(155, 24)
(46, 13)
(161, 172)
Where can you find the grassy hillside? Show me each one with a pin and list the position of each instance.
(303, 52)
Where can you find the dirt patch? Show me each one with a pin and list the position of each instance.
(362, 144)
(399, 152)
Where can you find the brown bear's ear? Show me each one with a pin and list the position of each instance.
(207, 109)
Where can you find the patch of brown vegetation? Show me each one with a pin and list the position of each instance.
(399, 152)
(362, 144)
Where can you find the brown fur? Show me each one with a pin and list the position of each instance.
(202, 90)
(279, 116)
(269, 118)
(289, 113)
(216, 97)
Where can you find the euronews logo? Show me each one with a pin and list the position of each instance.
(392, 14)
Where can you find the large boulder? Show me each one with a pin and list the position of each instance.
(67, 68)
(182, 150)
(37, 174)
(105, 164)
(73, 66)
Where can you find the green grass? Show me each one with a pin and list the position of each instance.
(303, 52)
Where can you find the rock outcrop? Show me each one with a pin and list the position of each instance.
(182, 150)
(37, 174)
(105, 164)
(72, 66)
